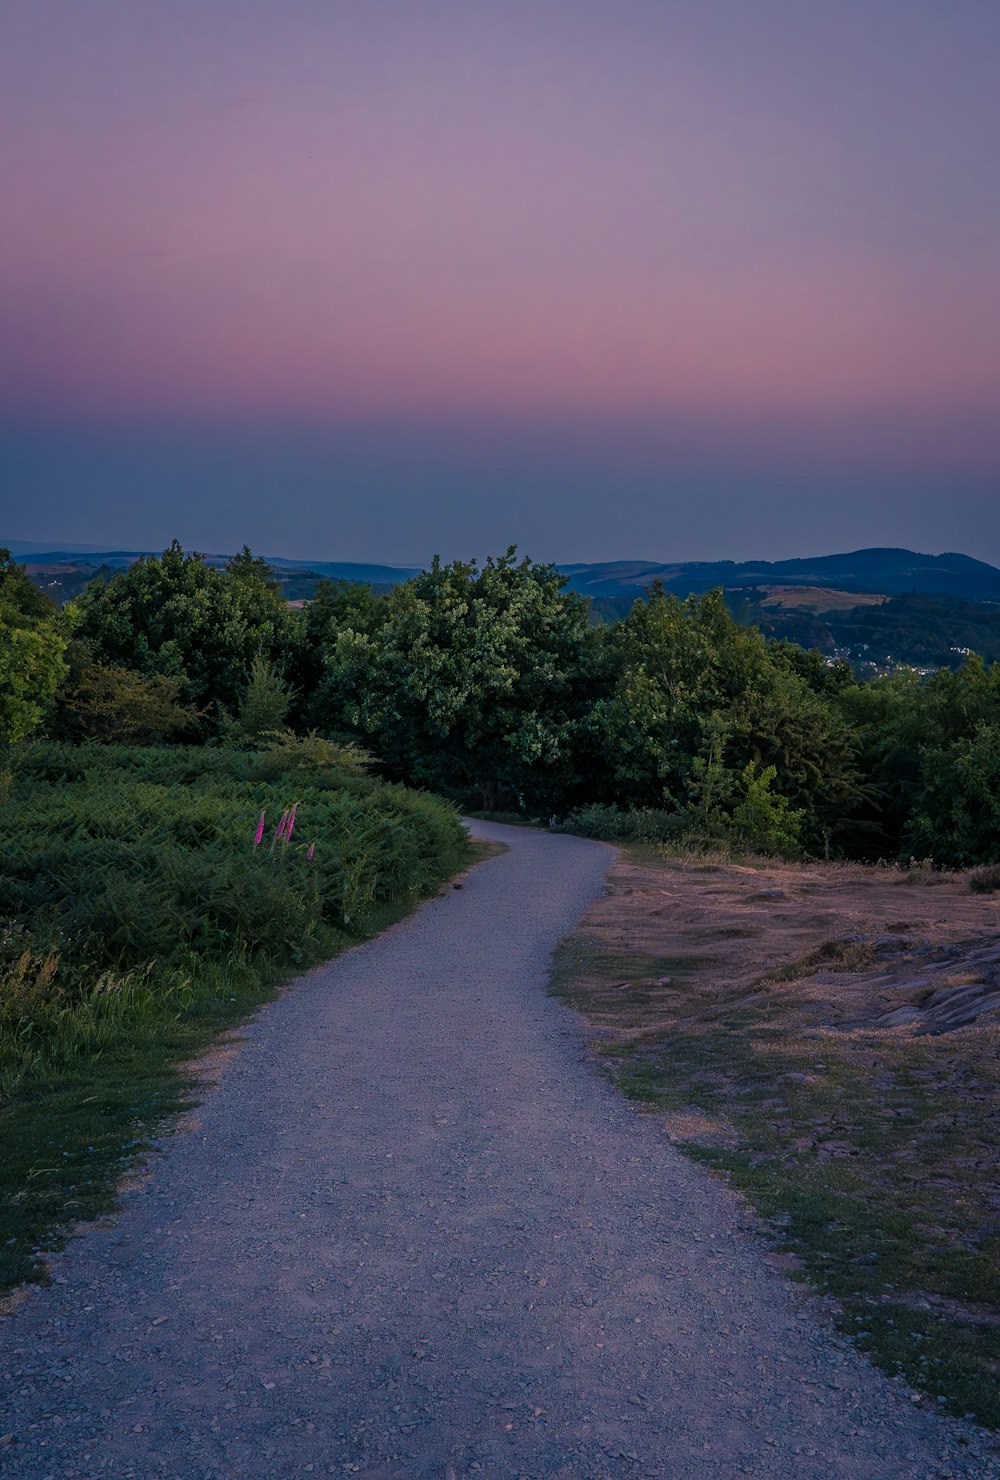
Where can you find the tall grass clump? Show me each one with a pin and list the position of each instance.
(139, 912)
(985, 879)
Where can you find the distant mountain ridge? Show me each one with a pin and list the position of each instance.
(94, 557)
(893, 572)
(889, 571)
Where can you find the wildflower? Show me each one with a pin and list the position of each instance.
(260, 831)
(311, 850)
(280, 832)
(291, 821)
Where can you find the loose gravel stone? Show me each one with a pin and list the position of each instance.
(414, 1236)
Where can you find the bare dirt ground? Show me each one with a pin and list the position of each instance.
(830, 1036)
(866, 947)
(411, 1234)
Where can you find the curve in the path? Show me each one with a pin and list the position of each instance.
(415, 1235)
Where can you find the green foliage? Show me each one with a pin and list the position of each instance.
(625, 824)
(137, 917)
(32, 648)
(264, 704)
(763, 821)
(492, 686)
(957, 816)
(129, 870)
(701, 710)
(464, 679)
(120, 706)
(311, 752)
(18, 594)
(175, 616)
(932, 749)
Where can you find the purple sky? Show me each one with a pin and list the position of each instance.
(366, 280)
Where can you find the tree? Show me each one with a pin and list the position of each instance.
(956, 817)
(32, 647)
(699, 710)
(120, 706)
(928, 745)
(337, 606)
(264, 704)
(913, 733)
(464, 679)
(175, 616)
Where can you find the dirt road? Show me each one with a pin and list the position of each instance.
(414, 1235)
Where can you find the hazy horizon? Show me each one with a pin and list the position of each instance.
(24, 549)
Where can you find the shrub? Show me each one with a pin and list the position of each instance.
(138, 867)
(120, 706)
(263, 707)
(763, 821)
(625, 824)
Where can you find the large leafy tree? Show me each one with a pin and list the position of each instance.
(956, 818)
(930, 745)
(703, 716)
(465, 678)
(175, 616)
(32, 647)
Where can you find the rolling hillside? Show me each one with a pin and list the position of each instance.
(885, 571)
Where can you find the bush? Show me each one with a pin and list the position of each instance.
(120, 706)
(137, 867)
(763, 821)
(625, 824)
(263, 706)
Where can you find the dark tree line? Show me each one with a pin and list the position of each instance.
(490, 685)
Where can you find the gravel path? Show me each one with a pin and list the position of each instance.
(414, 1235)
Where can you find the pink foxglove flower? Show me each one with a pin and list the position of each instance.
(281, 830)
(311, 850)
(260, 831)
(291, 822)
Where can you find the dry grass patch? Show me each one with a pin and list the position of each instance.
(841, 1065)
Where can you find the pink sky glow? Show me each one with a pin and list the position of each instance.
(740, 217)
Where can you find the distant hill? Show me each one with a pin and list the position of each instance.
(880, 608)
(93, 556)
(345, 570)
(64, 572)
(887, 572)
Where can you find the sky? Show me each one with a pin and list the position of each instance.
(607, 279)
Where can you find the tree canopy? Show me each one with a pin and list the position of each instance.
(463, 678)
(175, 616)
(32, 648)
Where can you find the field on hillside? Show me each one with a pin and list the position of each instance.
(138, 915)
(817, 598)
(829, 1037)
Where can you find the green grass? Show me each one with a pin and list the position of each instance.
(137, 919)
(897, 1221)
